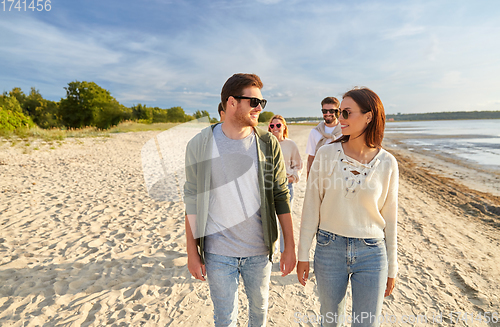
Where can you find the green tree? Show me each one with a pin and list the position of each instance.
(177, 114)
(127, 113)
(198, 114)
(31, 102)
(8, 102)
(19, 95)
(265, 116)
(160, 115)
(88, 104)
(143, 113)
(46, 115)
(11, 114)
(108, 114)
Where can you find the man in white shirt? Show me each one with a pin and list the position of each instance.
(326, 132)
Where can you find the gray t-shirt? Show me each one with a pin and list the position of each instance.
(234, 226)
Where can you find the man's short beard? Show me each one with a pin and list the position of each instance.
(329, 120)
(245, 121)
(252, 123)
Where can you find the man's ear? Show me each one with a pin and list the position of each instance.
(231, 102)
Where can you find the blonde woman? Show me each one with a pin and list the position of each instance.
(293, 162)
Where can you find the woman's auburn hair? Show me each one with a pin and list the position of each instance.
(283, 121)
(368, 101)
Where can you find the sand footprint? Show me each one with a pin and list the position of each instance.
(60, 287)
(96, 243)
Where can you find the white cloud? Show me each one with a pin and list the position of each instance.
(451, 79)
(269, 2)
(32, 41)
(433, 50)
(405, 31)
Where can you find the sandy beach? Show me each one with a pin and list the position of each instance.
(83, 244)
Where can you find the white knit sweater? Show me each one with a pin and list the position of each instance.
(363, 205)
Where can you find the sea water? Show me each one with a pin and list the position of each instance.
(473, 140)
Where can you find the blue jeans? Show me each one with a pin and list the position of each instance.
(223, 274)
(282, 240)
(339, 259)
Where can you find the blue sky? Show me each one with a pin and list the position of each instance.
(418, 56)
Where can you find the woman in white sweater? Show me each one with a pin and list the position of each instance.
(351, 205)
(293, 162)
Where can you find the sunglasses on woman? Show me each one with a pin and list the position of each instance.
(344, 113)
(254, 102)
(277, 125)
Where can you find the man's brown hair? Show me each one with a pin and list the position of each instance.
(236, 84)
(330, 100)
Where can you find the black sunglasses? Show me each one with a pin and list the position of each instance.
(254, 102)
(277, 125)
(331, 111)
(345, 114)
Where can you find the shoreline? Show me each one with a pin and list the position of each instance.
(482, 178)
(469, 196)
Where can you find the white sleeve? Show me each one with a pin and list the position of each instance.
(390, 213)
(311, 143)
(310, 211)
(296, 163)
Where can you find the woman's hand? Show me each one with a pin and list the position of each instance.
(391, 282)
(291, 179)
(303, 272)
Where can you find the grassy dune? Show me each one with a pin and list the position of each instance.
(55, 134)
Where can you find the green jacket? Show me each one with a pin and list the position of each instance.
(274, 195)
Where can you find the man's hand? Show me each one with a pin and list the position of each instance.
(287, 261)
(303, 272)
(195, 267)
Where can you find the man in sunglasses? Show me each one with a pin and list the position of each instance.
(235, 186)
(326, 132)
